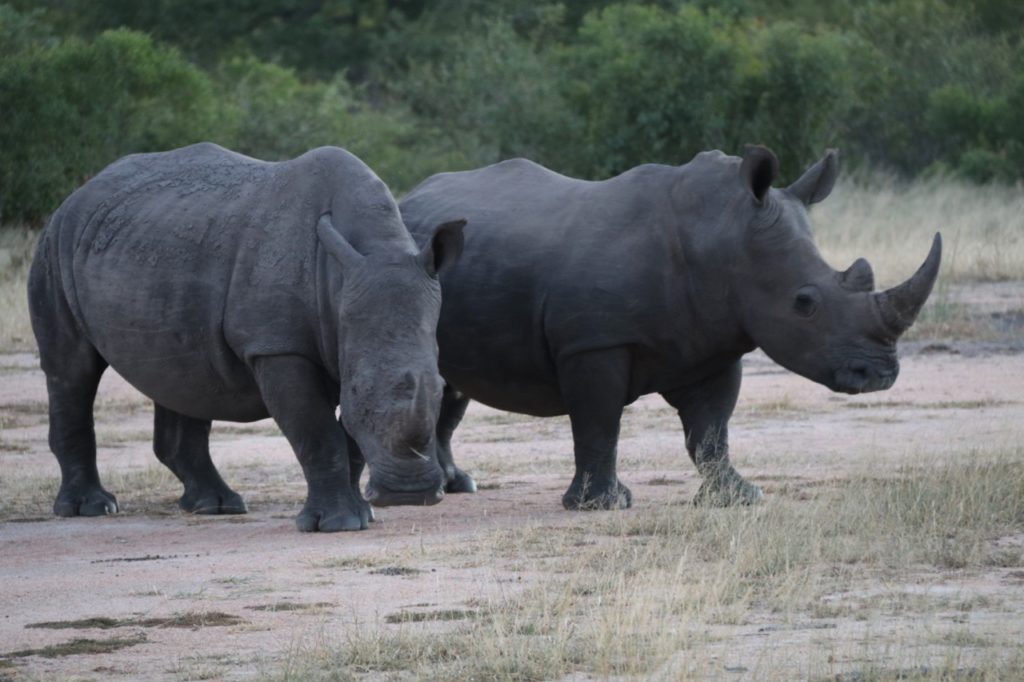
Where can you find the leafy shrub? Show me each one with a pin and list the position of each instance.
(794, 94)
(496, 94)
(269, 113)
(911, 54)
(72, 108)
(656, 86)
(22, 30)
(653, 85)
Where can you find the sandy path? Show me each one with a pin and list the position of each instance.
(287, 589)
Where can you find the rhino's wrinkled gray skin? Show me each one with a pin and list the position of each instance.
(578, 297)
(223, 287)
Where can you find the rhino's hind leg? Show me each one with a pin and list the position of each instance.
(71, 382)
(73, 369)
(453, 408)
(705, 410)
(594, 389)
(301, 403)
(183, 445)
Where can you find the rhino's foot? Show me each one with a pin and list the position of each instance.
(726, 488)
(588, 497)
(84, 501)
(459, 482)
(207, 501)
(334, 515)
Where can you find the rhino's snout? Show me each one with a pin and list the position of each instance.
(863, 376)
(381, 497)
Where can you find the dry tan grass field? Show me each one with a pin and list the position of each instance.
(890, 544)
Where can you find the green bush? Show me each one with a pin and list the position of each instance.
(795, 93)
(269, 113)
(588, 87)
(496, 94)
(656, 86)
(20, 31)
(652, 85)
(316, 37)
(978, 135)
(912, 58)
(72, 108)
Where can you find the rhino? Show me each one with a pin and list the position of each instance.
(577, 297)
(224, 287)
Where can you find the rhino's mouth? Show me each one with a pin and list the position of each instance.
(864, 376)
(382, 497)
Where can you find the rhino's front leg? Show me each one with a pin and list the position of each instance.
(705, 409)
(300, 400)
(453, 408)
(594, 386)
(356, 464)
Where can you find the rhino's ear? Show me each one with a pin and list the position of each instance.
(336, 245)
(759, 170)
(817, 183)
(444, 247)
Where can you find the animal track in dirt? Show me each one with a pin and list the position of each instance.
(396, 570)
(148, 557)
(291, 606)
(78, 647)
(182, 620)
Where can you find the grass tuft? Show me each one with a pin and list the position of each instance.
(659, 581)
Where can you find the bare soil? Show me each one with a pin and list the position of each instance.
(154, 593)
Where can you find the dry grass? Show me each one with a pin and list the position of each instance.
(17, 245)
(891, 223)
(664, 593)
(138, 491)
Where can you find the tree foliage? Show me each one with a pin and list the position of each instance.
(73, 107)
(588, 87)
(657, 86)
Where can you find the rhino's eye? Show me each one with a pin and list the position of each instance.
(806, 302)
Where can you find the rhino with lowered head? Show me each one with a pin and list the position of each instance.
(223, 287)
(578, 297)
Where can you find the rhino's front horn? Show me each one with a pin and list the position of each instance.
(900, 305)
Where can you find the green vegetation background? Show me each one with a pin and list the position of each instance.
(587, 87)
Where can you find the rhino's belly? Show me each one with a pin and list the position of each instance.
(505, 390)
(186, 375)
(164, 335)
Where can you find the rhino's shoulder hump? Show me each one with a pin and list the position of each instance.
(200, 152)
(713, 159)
(334, 158)
(131, 172)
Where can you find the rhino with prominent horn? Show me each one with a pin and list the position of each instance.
(224, 287)
(578, 297)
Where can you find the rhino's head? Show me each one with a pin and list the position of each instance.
(387, 360)
(829, 326)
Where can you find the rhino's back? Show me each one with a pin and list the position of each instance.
(552, 266)
(182, 266)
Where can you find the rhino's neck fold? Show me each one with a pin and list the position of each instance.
(328, 283)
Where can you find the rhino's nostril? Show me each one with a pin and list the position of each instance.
(859, 370)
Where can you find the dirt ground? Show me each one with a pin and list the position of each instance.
(237, 597)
